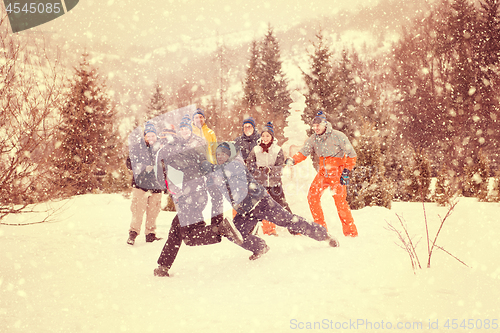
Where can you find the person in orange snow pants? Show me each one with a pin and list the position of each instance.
(336, 160)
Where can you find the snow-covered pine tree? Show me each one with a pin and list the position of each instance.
(368, 185)
(88, 142)
(417, 177)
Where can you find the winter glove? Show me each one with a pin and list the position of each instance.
(344, 178)
(289, 161)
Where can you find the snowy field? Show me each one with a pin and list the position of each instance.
(77, 274)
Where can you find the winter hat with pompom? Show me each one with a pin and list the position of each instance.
(250, 121)
(269, 128)
(320, 118)
(168, 130)
(149, 128)
(186, 122)
(199, 111)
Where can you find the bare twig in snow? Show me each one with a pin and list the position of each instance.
(452, 207)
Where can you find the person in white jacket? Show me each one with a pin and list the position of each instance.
(265, 162)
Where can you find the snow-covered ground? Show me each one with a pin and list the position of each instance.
(77, 274)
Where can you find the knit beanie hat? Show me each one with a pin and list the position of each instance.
(149, 128)
(186, 122)
(199, 111)
(250, 121)
(269, 128)
(224, 148)
(168, 130)
(320, 118)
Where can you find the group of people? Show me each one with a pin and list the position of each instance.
(243, 177)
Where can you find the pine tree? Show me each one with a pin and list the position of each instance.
(252, 89)
(495, 192)
(369, 187)
(275, 95)
(321, 94)
(487, 49)
(446, 187)
(488, 45)
(88, 141)
(348, 91)
(157, 104)
(445, 80)
(266, 96)
(476, 176)
(418, 177)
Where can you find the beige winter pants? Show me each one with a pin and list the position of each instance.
(144, 202)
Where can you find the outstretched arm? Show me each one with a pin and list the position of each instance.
(303, 152)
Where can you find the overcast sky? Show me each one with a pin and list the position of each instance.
(155, 22)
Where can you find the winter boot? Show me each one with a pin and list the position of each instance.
(332, 241)
(228, 229)
(131, 237)
(151, 238)
(260, 253)
(349, 229)
(161, 271)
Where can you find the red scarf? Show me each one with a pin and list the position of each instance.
(265, 147)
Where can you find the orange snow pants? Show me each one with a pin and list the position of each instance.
(320, 183)
(268, 228)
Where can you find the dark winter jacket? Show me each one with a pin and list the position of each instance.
(181, 161)
(233, 180)
(141, 161)
(266, 167)
(246, 143)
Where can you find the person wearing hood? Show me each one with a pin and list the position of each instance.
(146, 195)
(201, 129)
(230, 179)
(336, 160)
(265, 162)
(168, 135)
(248, 140)
(179, 165)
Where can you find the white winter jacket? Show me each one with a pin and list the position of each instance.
(266, 167)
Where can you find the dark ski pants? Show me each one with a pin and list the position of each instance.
(278, 195)
(193, 235)
(270, 210)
